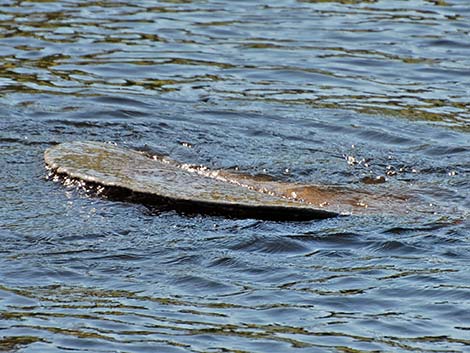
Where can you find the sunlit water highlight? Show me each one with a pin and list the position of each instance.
(343, 93)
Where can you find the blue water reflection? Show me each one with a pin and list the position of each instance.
(324, 92)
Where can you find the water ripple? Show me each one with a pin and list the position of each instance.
(142, 47)
(365, 95)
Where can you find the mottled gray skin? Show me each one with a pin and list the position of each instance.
(160, 180)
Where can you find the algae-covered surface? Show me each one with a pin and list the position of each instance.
(158, 180)
(165, 182)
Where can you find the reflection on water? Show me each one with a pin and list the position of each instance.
(368, 95)
(408, 59)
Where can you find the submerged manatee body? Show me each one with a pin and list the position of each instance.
(160, 180)
(341, 200)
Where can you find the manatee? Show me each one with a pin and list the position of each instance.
(136, 176)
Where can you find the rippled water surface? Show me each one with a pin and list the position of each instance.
(367, 95)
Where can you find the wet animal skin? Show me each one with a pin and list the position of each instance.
(138, 177)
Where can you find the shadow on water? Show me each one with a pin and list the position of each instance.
(363, 95)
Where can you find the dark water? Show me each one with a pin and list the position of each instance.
(331, 92)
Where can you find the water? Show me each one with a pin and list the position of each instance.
(325, 92)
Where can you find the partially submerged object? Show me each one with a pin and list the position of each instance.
(136, 176)
(160, 181)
